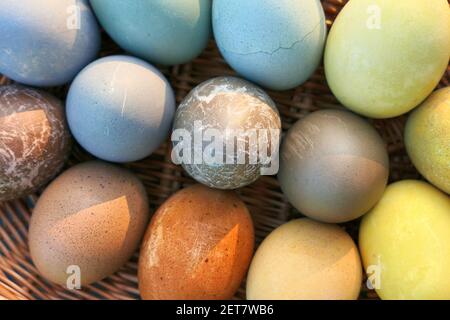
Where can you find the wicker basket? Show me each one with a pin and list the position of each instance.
(19, 279)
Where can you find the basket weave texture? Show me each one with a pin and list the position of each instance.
(19, 279)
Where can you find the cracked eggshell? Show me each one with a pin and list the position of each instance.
(166, 32)
(405, 238)
(93, 216)
(305, 260)
(34, 140)
(334, 166)
(427, 139)
(226, 103)
(120, 108)
(46, 43)
(277, 44)
(383, 58)
(198, 246)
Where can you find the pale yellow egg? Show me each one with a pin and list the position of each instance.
(384, 57)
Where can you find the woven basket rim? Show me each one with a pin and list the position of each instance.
(19, 279)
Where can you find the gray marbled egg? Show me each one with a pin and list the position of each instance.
(226, 133)
(34, 140)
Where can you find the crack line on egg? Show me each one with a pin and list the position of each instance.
(279, 48)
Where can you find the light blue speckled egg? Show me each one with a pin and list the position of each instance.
(165, 32)
(46, 42)
(275, 43)
(120, 108)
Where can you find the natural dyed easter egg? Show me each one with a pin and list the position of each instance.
(87, 223)
(305, 260)
(226, 133)
(46, 42)
(34, 140)
(427, 139)
(275, 43)
(333, 166)
(383, 58)
(405, 242)
(198, 246)
(166, 32)
(120, 108)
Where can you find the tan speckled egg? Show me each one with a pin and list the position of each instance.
(92, 217)
(34, 140)
(305, 260)
(220, 116)
(198, 246)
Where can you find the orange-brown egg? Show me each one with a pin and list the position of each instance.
(198, 246)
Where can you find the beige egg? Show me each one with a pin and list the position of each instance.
(305, 260)
(198, 246)
(87, 223)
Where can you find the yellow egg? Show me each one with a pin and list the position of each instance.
(427, 139)
(305, 260)
(405, 242)
(384, 57)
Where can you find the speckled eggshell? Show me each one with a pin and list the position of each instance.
(198, 246)
(427, 139)
(405, 243)
(120, 108)
(46, 42)
(305, 260)
(227, 103)
(275, 43)
(166, 32)
(383, 58)
(34, 140)
(92, 216)
(334, 166)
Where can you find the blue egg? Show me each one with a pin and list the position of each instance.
(120, 108)
(46, 42)
(166, 32)
(277, 44)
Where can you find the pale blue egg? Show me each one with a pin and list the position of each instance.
(46, 42)
(166, 32)
(120, 108)
(275, 43)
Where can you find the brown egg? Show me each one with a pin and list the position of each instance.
(305, 260)
(198, 246)
(92, 217)
(34, 140)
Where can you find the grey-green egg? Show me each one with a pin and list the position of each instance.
(334, 166)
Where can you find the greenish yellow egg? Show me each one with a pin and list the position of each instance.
(384, 57)
(427, 139)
